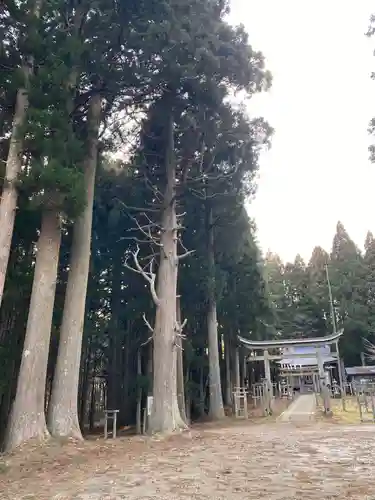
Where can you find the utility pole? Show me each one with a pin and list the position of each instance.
(333, 318)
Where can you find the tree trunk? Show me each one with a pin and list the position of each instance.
(216, 411)
(9, 196)
(150, 369)
(180, 368)
(244, 370)
(63, 412)
(92, 400)
(165, 415)
(27, 419)
(13, 343)
(188, 395)
(202, 391)
(85, 386)
(138, 424)
(127, 406)
(237, 367)
(228, 378)
(114, 344)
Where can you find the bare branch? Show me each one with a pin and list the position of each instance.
(155, 297)
(137, 209)
(149, 185)
(151, 222)
(186, 254)
(134, 238)
(179, 328)
(186, 251)
(147, 341)
(140, 269)
(131, 267)
(149, 275)
(147, 323)
(146, 231)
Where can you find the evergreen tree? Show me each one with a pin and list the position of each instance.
(348, 275)
(318, 288)
(20, 25)
(369, 262)
(170, 67)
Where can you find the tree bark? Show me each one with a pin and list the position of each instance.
(202, 391)
(165, 415)
(216, 410)
(85, 386)
(63, 411)
(27, 419)
(237, 367)
(244, 370)
(188, 395)
(180, 368)
(114, 344)
(92, 398)
(127, 406)
(8, 204)
(13, 342)
(228, 377)
(138, 423)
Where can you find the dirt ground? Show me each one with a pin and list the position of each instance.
(245, 460)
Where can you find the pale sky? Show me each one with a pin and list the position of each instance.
(317, 171)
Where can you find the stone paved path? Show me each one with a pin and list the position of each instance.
(301, 410)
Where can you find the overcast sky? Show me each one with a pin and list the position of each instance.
(317, 171)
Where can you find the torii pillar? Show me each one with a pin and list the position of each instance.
(267, 374)
(323, 383)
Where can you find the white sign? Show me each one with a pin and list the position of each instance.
(150, 402)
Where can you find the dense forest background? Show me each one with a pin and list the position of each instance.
(299, 296)
(122, 278)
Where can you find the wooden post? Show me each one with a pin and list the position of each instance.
(144, 426)
(267, 373)
(114, 424)
(359, 407)
(106, 426)
(323, 382)
(245, 406)
(110, 414)
(372, 406)
(315, 383)
(342, 388)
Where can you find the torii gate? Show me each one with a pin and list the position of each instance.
(317, 343)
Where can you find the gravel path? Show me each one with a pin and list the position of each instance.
(274, 462)
(301, 410)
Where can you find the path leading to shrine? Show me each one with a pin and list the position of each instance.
(274, 461)
(301, 410)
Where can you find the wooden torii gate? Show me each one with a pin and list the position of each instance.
(266, 345)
